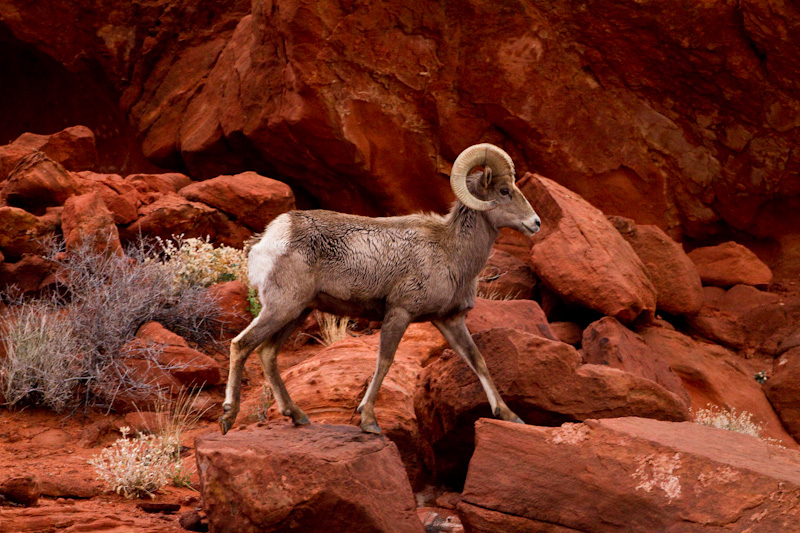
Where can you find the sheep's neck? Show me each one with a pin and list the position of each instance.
(473, 237)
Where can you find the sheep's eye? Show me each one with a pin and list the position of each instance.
(505, 192)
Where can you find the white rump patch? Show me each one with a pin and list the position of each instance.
(265, 253)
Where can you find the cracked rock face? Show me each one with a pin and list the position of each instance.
(631, 473)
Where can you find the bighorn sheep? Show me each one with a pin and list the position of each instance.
(403, 269)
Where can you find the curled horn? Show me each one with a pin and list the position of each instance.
(486, 155)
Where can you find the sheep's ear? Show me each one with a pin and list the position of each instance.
(486, 177)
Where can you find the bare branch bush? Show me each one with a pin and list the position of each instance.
(78, 337)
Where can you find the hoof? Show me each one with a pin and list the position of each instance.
(517, 420)
(224, 425)
(371, 428)
(303, 421)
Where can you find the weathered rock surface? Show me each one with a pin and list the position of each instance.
(607, 342)
(713, 375)
(38, 182)
(506, 276)
(541, 380)
(310, 478)
(22, 232)
(583, 258)
(783, 390)
(744, 316)
(329, 386)
(730, 264)
(22, 490)
(73, 147)
(86, 220)
(249, 199)
(522, 315)
(232, 301)
(679, 290)
(627, 473)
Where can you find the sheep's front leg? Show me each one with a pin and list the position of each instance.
(394, 325)
(454, 329)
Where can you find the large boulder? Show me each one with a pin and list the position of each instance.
(627, 473)
(73, 147)
(310, 478)
(506, 276)
(249, 199)
(86, 221)
(329, 386)
(607, 342)
(22, 232)
(728, 264)
(743, 317)
(716, 376)
(583, 258)
(38, 182)
(783, 390)
(119, 195)
(522, 315)
(175, 215)
(541, 380)
(679, 290)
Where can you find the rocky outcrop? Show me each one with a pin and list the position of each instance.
(782, 390)
(627, 473)
(730, 264)
(607, 342)
(580, 256)
(679, 290)
(311, 478)
(541, 380)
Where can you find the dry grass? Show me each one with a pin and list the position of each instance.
(731, 420)
(332, 328)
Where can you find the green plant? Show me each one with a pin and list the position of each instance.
(761, 377)
(255, 303)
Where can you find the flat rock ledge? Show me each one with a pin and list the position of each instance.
(309, 478)
(628, 474)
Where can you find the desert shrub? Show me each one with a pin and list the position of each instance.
(718, 417)
(332, 328)
(83, 330)
(43, 356)
(196, 261)
(138, 466)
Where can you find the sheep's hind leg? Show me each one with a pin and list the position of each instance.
(264, 327)
(454, 330)
(394, 326)
(268, 352)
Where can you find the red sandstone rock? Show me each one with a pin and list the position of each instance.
(329, 386)
(249, 199)
(160, 183)
(310, 478)
(679, 290)
(567, 332)
(86, 219)
(231, 298)
(29, 274)
(715, 376)
(782, 390)
(24, 490)
(190, 367)
(22, 232)
(580, 255)
(741, 316)
(541, 380)
(627, 473)
(607, 342)
(174, 215)
(730, 264)
(38, 182)
(120, 196)
(72, 147)
(506, 276)
(522, 315)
